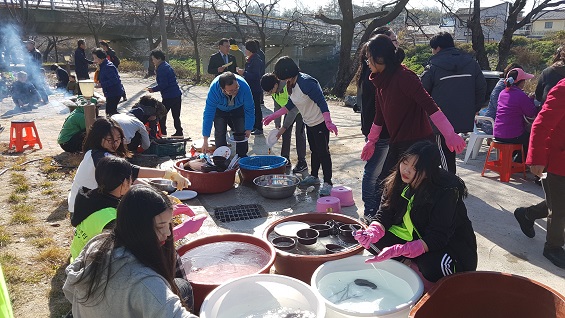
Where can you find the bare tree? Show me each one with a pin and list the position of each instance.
(512, 25)
(52, 43)
(477, 35)
(192, 19)
(249, 17)
(20, 12)
(347, 66)
(96, 15)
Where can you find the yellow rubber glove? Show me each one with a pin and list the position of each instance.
(181, 181)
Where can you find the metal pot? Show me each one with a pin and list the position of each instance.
(276, 186)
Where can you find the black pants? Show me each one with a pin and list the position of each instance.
(112, 105)
(523, 139)
(174, 105)
(319, 139)
(75, 143)
(258, 113)
(135, 143)
(447, 157)
(237, 118)
(300, 135)
(433, 265)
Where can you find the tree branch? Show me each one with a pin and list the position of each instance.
(323, 18)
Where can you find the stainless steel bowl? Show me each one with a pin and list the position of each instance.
(164, 185)
(276, 186)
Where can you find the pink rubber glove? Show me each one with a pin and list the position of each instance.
(192, 225)
(371, 235)
(410, 249)
(329, 124)
(372, 139)
(453, 141)
(182, 209)
(268, 119)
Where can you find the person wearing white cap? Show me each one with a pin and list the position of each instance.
(513, 105)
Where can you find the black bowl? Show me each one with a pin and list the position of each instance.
(323, 229)
(334, 248)
(346, 232)
(284, 243)
(307, 236)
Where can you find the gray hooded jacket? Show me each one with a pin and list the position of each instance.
(134, 290)
(457, 85)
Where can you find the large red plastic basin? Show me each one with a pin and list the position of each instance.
(207, 182)
(201, 290)
(303, 266)
(489, 294)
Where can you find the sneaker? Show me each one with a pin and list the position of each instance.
(309, 181)
(300, 166)
(556, 256)
(177, 135)
(257, 132)
(325, 190)
(526, 225)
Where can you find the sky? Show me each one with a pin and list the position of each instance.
(314, 4)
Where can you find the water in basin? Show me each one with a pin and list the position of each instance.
(340, 289)
(218, 262)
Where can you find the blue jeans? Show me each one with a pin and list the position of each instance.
(370, 186)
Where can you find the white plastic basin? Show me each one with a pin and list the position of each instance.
(256, 295)
(400, 286)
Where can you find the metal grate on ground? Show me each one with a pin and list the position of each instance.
(239, 212)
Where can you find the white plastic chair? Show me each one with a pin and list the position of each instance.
(476, 139)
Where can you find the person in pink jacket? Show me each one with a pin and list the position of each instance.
(547, 144)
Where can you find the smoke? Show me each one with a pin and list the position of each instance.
(12, 49)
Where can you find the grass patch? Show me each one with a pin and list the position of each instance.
(47, 166)
(15, 198)
(55, 176)
(22, 214)
(31, 232)
(17, 178)
(46, 184)
(48, 192)
(22, 188)
(42, 242)
(5, 237)
(53, 255)
(17, 165)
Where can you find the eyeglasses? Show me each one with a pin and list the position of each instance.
(114, 142)
(232, 91)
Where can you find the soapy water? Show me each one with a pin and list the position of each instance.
(283, 312)
(217, 262)
(340, 289)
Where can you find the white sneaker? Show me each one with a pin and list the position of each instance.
(325, 190)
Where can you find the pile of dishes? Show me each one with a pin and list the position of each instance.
(218, 162)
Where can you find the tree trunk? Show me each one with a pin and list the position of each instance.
(504, 49)
(478, 37)
(162, 26)
(344, 70)
(198, 61)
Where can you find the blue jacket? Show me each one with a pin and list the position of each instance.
(254, 69)
(167, 82)
(110, 80)
(216, 99)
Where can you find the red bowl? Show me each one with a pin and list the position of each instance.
(207, 182)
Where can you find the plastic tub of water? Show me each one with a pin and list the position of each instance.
(489, 294)
(352, 288)
(263, 296)
(212, 260)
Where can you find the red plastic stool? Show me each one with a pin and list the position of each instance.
(504, 165)
(24, 133)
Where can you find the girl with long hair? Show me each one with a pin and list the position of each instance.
(129, 272)
(422, 217)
